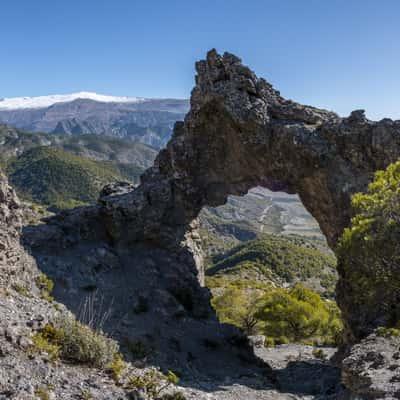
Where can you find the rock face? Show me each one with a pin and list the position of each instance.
(372, 368)
(15, 264)
(239, 133)
(23, 312)
(28, 374)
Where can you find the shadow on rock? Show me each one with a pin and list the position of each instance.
(311, 377)
(146, 299)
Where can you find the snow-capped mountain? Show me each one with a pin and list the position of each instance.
(16, 103)
(147, 120)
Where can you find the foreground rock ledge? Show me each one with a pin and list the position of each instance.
(240, 133)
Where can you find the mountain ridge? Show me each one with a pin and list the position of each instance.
(14, 103)
(149, 121)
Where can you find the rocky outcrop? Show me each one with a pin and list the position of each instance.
(22, 313)
(241, 133)
(16, 265)
(372, 368)
(27, 370)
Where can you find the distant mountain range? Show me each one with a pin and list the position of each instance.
(149, 121)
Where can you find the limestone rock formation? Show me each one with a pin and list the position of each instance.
(239, 133)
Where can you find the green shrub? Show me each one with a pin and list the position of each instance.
(369, 255)
(298, 315)
(281, 340)
(83, 345)
(239, 307)
(42, 345)
(42, 393)
(45, 286)
(73, 341)
(153, 383)
(319, 353)
(388, 332)
(116, 367)
(269, 342)
(52, 334)
(86, 395)
(282, 315)
(21, 289)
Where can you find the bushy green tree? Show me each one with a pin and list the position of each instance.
(298, 315)
(283, 315)
(238, 307)
(369, 256)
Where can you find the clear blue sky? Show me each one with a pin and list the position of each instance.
(338, 54)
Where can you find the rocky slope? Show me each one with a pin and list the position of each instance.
(149, 121)
(25, 374)
(210, 370)
(22, 315)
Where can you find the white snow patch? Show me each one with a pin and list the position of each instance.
(46, 101)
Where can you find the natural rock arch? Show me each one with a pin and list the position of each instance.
(143, 241)
(241, 133)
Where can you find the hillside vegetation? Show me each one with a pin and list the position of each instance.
(295, 315)
(281, 287)
(15, 141)
(369, 255)
(63, 171)
(54, 177)
(278, 260)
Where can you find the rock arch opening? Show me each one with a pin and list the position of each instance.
(260, 211)
(264, 247)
